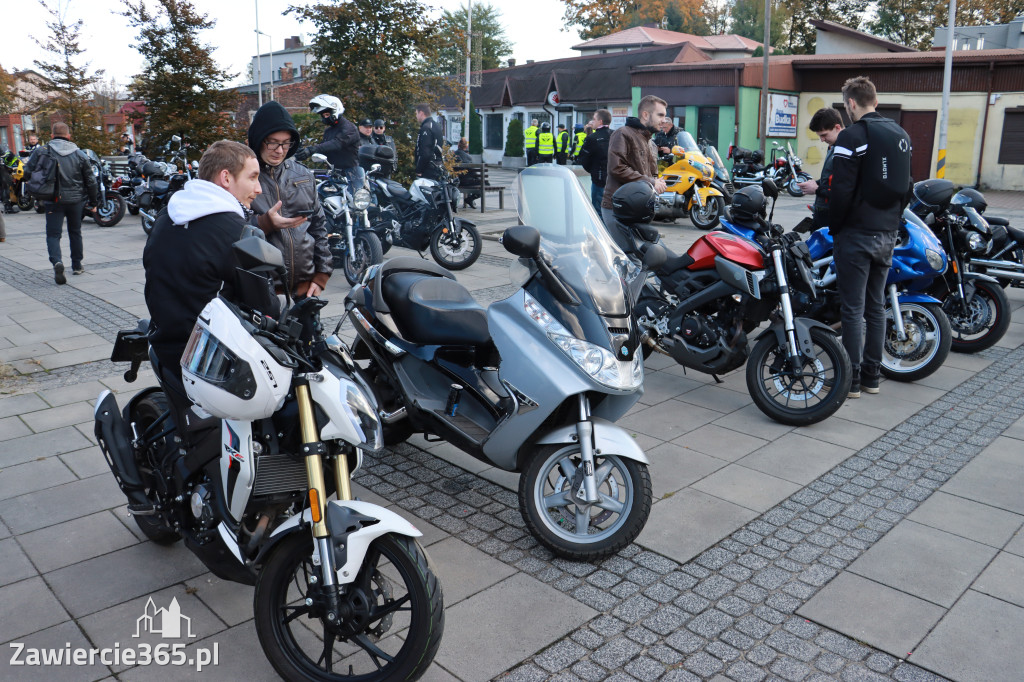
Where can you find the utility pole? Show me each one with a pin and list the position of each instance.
(259, 55)
(763, 125)
(947, 79)
(469, 58)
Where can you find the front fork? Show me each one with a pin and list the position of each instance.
(348, 235)
(897, 314)
(314, 450)
(585, 434)
(792, 347)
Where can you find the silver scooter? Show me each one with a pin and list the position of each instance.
(532, 384)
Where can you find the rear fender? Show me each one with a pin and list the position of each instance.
(608, 438)
(802, 326)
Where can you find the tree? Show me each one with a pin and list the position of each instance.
(716, 13)
(803, 36)
(8, 91)
(380, 58)
(181, 84)
(69, 98)
(597, 18)
(476, 131)
(494, 45)
(748, 21)
(515, 140)
(908, 22)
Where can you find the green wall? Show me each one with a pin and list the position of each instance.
(726, 123)
(691, 121)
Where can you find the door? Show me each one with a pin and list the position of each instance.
(920, 125)
(707, 124)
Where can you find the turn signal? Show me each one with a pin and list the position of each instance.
(314, 505)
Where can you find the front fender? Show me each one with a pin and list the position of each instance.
(353, 524)
(979, 276)
(608, 438)
(708, 191)
(917, 297)
(802, 326)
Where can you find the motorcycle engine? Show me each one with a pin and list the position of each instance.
(199, 504)
(698, 330)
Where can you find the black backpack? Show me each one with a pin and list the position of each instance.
(42, 182)
(885, 170)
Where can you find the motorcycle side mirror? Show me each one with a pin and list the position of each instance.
(258, 254)
(678, 151)
(374, 168)
(522, 241)
(769, 188)
(175, 138)
(319, 158)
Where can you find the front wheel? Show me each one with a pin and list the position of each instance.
(983, 323)
(456, 251)
(549, 501)
(793, 186)
(25, 202)
(110, 212)
(925, 347)
(148, 221)
(708, 216)
(801, 394)
(390, 622)
(366, 251)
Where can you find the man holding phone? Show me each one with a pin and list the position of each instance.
(295, 223)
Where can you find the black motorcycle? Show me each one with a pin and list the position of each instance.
(974, 302)
(421, 217)
(354, 246)
(162, 179)
(112, 205)
(1005, 261)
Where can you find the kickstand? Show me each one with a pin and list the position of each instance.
(717, 380)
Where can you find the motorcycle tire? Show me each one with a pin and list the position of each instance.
(143, 413)
(25, 202)
(927, 344)
(452, 254)
(808, 398)
(793, 185)
(367, 252)
(396, 604)
(623, 484)
(985, 322)
(147, 223)
(708, 216)
(133, 210)
(111, 211)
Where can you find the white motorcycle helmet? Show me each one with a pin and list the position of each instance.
(327, 103)
(227, 373)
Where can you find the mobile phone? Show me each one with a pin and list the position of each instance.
(305, 213)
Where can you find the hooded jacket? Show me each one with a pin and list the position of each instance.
(188, 261)
(630, 157)
(75, 179)
(307, 254)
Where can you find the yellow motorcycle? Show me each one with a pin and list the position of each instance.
(18, 195)
(689, 191)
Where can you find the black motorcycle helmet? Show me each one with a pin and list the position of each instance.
(635, 202)
(748, 203)
(970, 197)
(545, 127)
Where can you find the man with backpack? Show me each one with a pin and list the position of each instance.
(870, 186)
(61, 176)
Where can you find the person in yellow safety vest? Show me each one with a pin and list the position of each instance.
(545, 144)
(562, 141)
(578, 138)
(530, 142)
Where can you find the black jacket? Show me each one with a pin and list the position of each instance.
(341, 144)
(593, 155)
(848, 207)
(76, 181)
(428, 145)
(824, 192)
(386, 140)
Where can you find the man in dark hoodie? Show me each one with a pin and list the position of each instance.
(76, 184)
(295, 223)
(631, 156)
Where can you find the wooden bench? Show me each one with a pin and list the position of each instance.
(474, 185)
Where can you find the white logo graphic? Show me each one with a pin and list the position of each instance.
(164, 622)
(904, 145)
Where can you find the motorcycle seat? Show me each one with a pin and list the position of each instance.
(994, 220)
(1016, 233)
(396, 190)
(435, 311)
(159, 186)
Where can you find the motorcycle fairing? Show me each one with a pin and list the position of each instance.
(732, 248)
(237, 465)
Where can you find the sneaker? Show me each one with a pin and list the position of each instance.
(854, 385)
(869, 382)
(58, 273)
(78, 271)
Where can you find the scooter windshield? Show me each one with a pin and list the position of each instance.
(583, 254)
(720, 171)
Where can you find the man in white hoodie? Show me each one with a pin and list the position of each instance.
(188, 257)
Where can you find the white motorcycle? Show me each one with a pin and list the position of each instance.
(256, 478)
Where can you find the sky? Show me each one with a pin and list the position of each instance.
(107, 38)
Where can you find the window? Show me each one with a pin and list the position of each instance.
(679, 117)
(1011, 144)
(495, 131)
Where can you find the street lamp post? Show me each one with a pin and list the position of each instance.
(259, 56)
(270, 39)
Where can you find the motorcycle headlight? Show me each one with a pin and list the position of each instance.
(976, 242)
(361, 199)
(363, 417)
(599, 363)
(935, 260)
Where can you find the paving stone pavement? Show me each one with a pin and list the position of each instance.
(734, 611)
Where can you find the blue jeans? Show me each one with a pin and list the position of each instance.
(596, 196)
(55, 215)
(862, 262)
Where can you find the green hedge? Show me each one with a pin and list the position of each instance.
(476, 131)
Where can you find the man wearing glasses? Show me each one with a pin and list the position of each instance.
(288, 209)
(379, 137)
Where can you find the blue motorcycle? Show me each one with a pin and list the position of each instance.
(917, 334)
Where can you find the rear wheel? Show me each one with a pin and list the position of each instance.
(144, 413)
(925, 347)
(366, 251)
(708, 216)
(456, 251)
(983, 323)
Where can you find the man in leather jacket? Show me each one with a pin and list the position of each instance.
(665, 139)
(289, 210)
(188, 257)
(428, 144)
(76, 185)
(380, 137)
